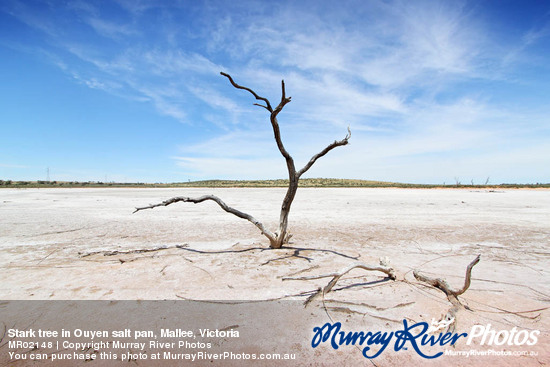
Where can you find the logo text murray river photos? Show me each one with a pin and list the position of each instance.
(416, 336)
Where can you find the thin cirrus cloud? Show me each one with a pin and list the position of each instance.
(413, 80)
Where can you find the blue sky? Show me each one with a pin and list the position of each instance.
(129, 90)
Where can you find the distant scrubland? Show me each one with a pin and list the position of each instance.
(306, 182)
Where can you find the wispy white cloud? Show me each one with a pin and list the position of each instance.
(138, 7)
(520, 53)
(176, 63)
(536, 34)
(213, 98)
(165, 99)
(111, 29)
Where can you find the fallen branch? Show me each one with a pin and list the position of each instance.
(116, 252)
(442, 284)
(373, 307)
(452, 294)
(336, 276)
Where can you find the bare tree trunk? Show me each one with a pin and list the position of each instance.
(281, 237)
(282, 233)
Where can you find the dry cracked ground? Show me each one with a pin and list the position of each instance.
(85, 244)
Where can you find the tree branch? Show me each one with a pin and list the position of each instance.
(284, 99)
(335, 144)
(273, 118)
(442, 284)
(336, 276)
(223, 205)
(277, 131)
(452, 294)
(468, 276)
(261, 105)
(267, 106)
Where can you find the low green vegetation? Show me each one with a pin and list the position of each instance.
(306, 182)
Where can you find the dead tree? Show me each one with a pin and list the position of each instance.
(281, 236)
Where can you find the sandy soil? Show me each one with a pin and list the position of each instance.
(53, 244)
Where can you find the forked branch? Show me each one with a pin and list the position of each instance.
(452, 294)
(223, 205)
(273, 116)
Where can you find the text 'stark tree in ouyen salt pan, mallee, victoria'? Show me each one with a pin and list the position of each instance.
(281, 236)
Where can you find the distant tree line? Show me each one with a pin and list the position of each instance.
(306, 182)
